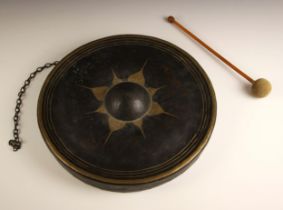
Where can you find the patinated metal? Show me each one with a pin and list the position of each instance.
(127, 112)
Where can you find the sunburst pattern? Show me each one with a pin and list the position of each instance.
(115, 124)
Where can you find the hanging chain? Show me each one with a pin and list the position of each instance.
(16, 143)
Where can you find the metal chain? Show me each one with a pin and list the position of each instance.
(16, 143)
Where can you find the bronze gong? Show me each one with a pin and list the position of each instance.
(127, 112)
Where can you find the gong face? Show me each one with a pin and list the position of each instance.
(127, 112)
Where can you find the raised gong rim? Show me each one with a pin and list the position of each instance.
(134, 181)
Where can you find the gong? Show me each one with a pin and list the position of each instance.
(127, 112)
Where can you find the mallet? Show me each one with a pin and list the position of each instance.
(260, 87)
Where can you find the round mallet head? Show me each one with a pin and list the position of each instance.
(261, 88)
(171, 19)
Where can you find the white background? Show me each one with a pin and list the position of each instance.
(242, 166)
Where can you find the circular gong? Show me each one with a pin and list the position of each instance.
(127, 112)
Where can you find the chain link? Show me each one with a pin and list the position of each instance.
(16, 143)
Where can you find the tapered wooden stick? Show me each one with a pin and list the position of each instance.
(260, 87)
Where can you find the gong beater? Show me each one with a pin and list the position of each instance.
(260, 87)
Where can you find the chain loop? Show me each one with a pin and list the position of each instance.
(16, 143)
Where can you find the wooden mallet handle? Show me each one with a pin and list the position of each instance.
(260, 87)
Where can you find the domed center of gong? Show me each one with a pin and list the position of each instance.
(127, 101)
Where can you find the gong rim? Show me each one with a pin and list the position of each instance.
(135, 181)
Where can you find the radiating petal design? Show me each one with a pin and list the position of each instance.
(101, 109)
(152, 91)
(138, 77)
(139, 124)
(114, 125)
(115, 79)
(156, 109)
(99, 92)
